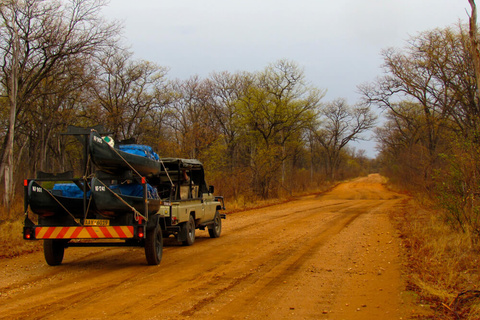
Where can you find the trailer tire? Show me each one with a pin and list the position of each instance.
(154, 246)
(216, 228)
(189, 229)
(53, 251)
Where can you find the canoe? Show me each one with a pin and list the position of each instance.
(116, 199)
(116, 159)
(61, 198)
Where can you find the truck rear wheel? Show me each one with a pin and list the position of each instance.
(216, 229)
(53, 251)
(154, 246)
(189, 229)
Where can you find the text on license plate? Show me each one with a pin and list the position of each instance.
(96, 222)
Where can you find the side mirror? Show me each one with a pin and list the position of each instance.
(210, 189)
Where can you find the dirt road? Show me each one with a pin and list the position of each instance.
(333, 256)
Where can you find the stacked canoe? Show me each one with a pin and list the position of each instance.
(114, 189)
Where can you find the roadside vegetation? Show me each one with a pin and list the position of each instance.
(430, 146)
(441, 265)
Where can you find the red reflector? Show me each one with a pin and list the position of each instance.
(25, 183)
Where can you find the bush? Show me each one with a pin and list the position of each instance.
(458, 188)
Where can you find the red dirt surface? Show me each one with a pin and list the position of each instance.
(329, 256)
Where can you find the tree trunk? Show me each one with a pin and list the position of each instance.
(7, 162)
(475, 47)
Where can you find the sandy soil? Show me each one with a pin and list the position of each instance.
(332, 256)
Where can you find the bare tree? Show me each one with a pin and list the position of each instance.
(191, 120)
(37, 38)
(475, 43)
(126, 93)
(339, 125)
(434, 71)
(228, 89)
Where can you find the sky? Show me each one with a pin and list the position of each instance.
(337, 42)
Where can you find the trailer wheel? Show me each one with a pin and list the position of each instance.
(53, 251)
(154, 246)
(189, 229)
(216, 229)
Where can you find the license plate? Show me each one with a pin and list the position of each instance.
(96, 222)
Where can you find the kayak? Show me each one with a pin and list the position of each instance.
(117, 159)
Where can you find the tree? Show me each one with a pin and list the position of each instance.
(474, 110)
(435, 72)
(37, 39)
(431, 140)
(127, 94)
(403, 145)
(275, 111)
(339, 125)
(227, 156)
(191, 116)
(228, 90)
(475, 46)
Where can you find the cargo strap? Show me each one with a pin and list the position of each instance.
(164, 168)
(61, 205)
(137, 214)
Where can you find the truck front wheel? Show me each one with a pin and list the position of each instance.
(154, 246)
(53, 251)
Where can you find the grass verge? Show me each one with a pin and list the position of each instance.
(442, 265)
(11, 240)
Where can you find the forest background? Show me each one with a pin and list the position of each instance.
(261, 135)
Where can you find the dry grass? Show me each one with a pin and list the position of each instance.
(11, 233)
(11, 240)
(442, 264)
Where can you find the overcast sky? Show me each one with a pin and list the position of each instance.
(337, 42)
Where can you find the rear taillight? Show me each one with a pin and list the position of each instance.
(28, 233)
(140, 232)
